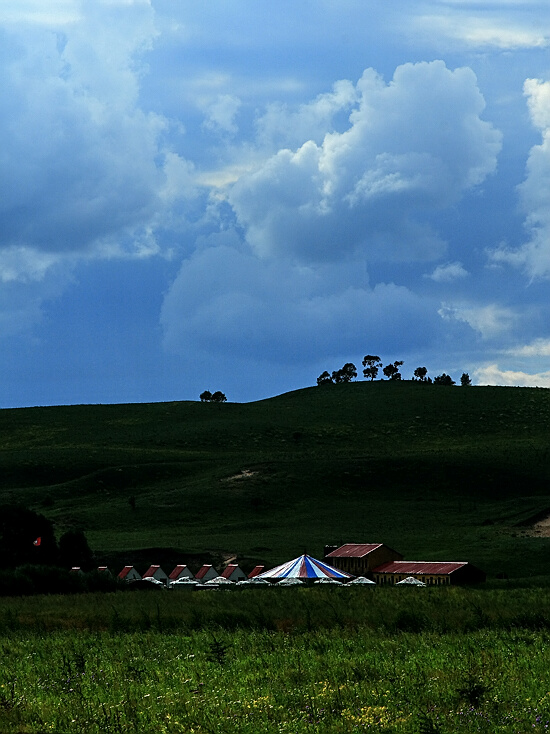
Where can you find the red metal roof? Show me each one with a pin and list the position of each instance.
(203, 571)
(125, 571)
(228, 570)
(151, 571)
(176, 573)
(442, 568)
(354, 550)
(255, 571)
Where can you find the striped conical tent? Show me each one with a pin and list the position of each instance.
(304, 567)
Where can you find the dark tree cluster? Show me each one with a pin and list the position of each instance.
(392, 370)
(444, 379)
(208, 397)
(372, 365)
(420, 375)
(346, 374)
(28, 538)
(33, 562)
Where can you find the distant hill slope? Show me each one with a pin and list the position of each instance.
(445, 473)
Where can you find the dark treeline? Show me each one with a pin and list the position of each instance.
(372, 365)
(33, 562)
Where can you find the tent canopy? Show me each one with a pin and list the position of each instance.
(304, 567)
(362, 581)
(410, 581)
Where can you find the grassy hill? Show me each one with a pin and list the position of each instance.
(444, 473)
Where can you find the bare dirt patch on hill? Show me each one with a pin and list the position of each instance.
(541, 528)
(244, 474)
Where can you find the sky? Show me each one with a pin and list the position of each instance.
(238, 196)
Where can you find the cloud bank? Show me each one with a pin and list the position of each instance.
(313, 218)
(83, 167)
(412, 145)
(534, 256)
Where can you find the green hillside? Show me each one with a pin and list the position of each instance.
(444, 473)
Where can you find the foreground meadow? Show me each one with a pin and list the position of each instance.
(277, 661)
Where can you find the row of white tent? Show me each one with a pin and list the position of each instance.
(259, 582)
(220, 582)
(302, 570)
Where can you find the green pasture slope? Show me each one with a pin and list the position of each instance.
(446, 473)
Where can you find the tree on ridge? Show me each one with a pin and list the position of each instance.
(371, 363)
(392, 370)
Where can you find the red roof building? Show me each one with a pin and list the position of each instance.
(205, 573)
(359, 559)
(256, 571)
(156, 572)
(432, 573)
(180, 572)
(129, 573)
(233, 573)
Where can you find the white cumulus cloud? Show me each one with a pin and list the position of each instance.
(490, 321)
(82, 169)
(537, 348)
(221, 113)
(492, 374)
(534, 255)
(412, 145)
(448, 273)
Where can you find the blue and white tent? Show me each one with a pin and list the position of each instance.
(305, 567)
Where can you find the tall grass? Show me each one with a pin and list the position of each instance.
(411, 661)
(381, 610)
(253, 681)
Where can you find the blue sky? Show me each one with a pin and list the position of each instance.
(239, 196)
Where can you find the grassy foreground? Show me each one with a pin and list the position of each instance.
(445, 660)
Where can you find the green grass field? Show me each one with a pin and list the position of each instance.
(409, 661)
(437, 473)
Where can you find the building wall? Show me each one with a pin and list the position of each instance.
(466, 575)
(390, 579)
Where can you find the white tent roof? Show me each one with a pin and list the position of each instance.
(333, 582)
(362, 581)
(219, 581)
(410, 581)
(254, 582)
(290, 581)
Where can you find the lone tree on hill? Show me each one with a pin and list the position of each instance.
(324, 379)
(465, 380)
(420, 374)
(392, 370)
(208, 397)
(371, 363)
(346, 374)
(443, 379)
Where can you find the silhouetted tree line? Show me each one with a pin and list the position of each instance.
(33, 562)
(392, 371)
